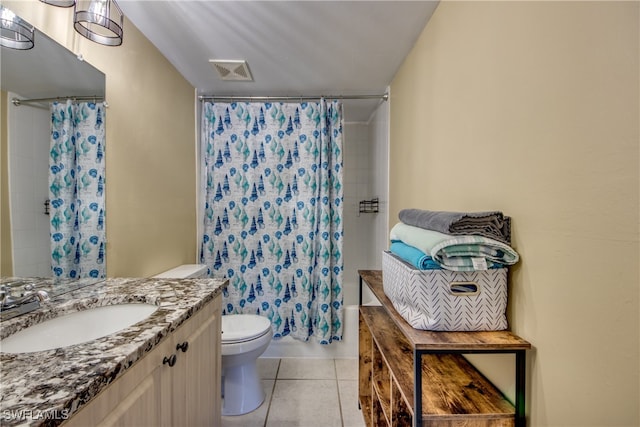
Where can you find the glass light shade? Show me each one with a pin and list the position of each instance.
(100, 21)
(15, 33)
(60, 3)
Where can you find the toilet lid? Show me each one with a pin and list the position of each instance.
(243, 327)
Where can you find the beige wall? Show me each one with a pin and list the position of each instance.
(150, 148)
(531, 108)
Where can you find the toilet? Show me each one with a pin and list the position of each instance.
(244, 338)
(186, 271)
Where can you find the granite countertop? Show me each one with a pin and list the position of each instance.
(44, 388)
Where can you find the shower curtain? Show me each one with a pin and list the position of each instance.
(272, 176)
(76, 190)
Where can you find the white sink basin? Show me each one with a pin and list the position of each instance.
(76, 328)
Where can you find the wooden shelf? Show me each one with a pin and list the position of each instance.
(450, 390)
(451, 387)
(382, 388)
(432, 340)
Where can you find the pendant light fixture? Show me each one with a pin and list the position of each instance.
(60, 3)
(15, 33)
(99, 20)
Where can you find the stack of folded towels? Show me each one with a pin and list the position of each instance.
(457, 241)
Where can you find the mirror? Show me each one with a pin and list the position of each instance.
(48, 70)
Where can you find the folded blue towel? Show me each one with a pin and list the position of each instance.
(419, 259)
(456, 253)
(413, 256)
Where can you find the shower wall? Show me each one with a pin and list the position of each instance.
(366, 157)
(28, 152)
(379, 143)
(358, 227)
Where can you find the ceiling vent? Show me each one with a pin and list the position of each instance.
(232, 70)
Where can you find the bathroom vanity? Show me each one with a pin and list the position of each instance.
(163, 370)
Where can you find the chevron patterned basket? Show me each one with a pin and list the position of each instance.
(443, 300)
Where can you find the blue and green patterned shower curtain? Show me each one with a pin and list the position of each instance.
(273, 212)
(76, 190)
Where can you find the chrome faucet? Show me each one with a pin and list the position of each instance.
(12, 306)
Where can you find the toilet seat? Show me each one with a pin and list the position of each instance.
(239, 328)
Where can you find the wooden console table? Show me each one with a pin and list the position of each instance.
(405, 371)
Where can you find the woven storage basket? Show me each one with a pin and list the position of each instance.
(444, 300)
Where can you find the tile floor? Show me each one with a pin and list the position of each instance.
(305, 393)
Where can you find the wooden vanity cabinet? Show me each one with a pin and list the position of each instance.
(168, 386)
(196, 381)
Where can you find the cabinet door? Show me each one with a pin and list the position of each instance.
(131, 400)
(152, 393)
(196, 382)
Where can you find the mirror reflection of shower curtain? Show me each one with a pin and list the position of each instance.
(272, 175)
(76, 190)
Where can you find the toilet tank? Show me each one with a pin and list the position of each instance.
(186, 271)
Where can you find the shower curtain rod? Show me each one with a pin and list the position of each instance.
(17, 102)
(384, 97)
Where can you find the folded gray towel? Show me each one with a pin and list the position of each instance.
(493, 225)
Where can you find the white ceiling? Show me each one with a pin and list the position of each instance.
(298, 48)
